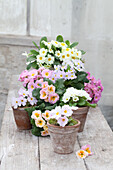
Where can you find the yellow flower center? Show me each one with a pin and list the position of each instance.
(57, 113)
(33, 74)
(63, 44)
(37, 114)
(63, 56)
(40, 58)
(49, 59)
(63, 119)
(46, 74)
(71, 52)
(32, 86)
(68, 55)
(73, 57)
(67, 49)
(43, 52)
(40, 122)
(58, 53)
(22, 100)
(16, 101)
(47, 114)
(56, 42)
(44, 94)
(65, 111)
(24, 94)
(31, 98)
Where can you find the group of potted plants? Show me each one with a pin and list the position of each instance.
(56, 93)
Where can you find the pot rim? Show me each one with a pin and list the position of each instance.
(21, 108)
(78, 124)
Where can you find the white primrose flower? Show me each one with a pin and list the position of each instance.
(66, 110)
(75, 98)
(62, 57)
(43, 52)
(57, 53)
(51, 51)
(65, 99)
(40, 58)
(78, 53)
(63, 45)
(15, 102)
(49, 59)
(48, 44)
(56, 113)
(36, 114)
(55, 43)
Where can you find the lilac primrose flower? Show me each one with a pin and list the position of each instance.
(62, 121)
(56, 113)
(23, 92)
(33, 73)
(66, 110)
(60, 74)
(38, 83)
(23, 100)
(15, 102)
(32, 100)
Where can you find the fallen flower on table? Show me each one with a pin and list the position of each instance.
(87, 148)
(81, 154)
(84, 152)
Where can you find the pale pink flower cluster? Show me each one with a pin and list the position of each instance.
(40, 120)
(47, 93)
(25, 97)
(94, 88)
(33, 77)
(84, 152)
(61, 114)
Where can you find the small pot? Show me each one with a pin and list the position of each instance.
(63, 138)
(81, 114)
(22, 119)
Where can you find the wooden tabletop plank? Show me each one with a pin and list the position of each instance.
(50, 160)
(99, 135)
(18, 149)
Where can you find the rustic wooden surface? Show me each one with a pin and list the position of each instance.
(20, 150)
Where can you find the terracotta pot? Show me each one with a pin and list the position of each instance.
(22, 119)
(63, 138)
(81, 115)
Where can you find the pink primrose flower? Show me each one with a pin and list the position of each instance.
(53, 98)
(45, 133)
(23, 75)
(44, 84)
(51, 89)
(87, 148)
(36, 114)
(46, 73)
(31, 85)
(43, 94)
(81, 154)
(46, 115)
(62, 121)
(38, 83)
(33, 74)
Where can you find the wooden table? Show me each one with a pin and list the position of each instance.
(20, 150)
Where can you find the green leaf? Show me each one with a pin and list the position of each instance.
(91, 105)
(29, 110)
(49, 81)
(28, 66)
(35, 65)
(34, 52)
(83, 52)
(50, 107)
(35, 44)
(81, 102)
(36, 131)
(42, 44)
(42, 106)
(73, 44)
(53, 121)
(59, 84)
(36, 93)
(68, 43)
(59, 38)
(31, 58)
(81, 77)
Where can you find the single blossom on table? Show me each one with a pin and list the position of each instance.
(45, 133)
(87, 148)
(81, 154)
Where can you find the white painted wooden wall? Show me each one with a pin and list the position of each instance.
(88, 21)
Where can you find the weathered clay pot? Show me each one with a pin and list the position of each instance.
(22, 119)
(80, 114)
(63, 138)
